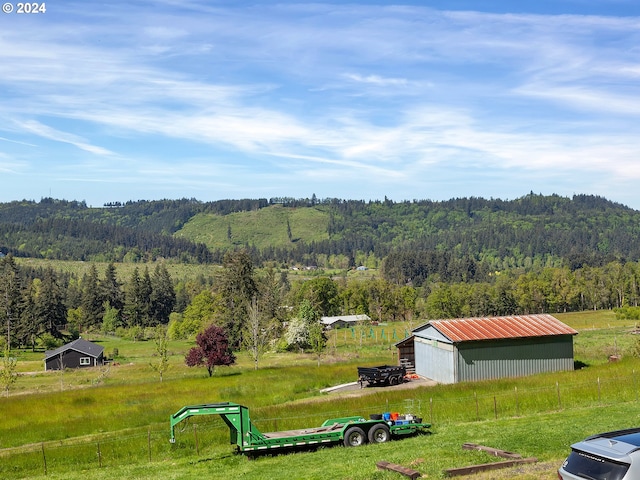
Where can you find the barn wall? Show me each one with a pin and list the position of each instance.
(513, 357)
(71, 359)
(435, 360)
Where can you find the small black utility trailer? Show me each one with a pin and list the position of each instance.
(381, 375)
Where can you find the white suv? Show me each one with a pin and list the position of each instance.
(606, 456)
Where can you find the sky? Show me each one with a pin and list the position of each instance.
(134, 100)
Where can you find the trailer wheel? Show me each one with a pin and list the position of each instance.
(393, 380)
(379, 434)
(354, 437)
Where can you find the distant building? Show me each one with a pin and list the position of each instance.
(77, 354)
(470, 349)
(342, 321)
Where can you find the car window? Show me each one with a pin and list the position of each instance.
(593, 467)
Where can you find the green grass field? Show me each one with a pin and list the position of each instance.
(178, 271)
(114, 423)
(262, 228)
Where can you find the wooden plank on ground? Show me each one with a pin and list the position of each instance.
(496, 452)
(407, 472)
(455, 472)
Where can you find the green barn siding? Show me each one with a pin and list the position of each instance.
(513, 357)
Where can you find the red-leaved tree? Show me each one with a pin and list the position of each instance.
(213, 349)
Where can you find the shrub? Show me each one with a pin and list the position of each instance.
(49, 342)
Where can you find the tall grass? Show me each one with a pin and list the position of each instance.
(120, 429)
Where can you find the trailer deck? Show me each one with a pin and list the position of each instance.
(351, 431)
(306, 431)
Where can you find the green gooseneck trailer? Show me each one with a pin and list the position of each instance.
(351, 431)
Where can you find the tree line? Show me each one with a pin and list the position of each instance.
(260, 309)
(484, 235)
(38, 306)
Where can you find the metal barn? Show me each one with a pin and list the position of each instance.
(470, 349)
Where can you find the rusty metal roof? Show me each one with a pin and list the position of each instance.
(491, 328)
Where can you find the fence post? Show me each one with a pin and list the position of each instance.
(559, 400)
(195, 435)
(517, 404)
(44, 459)
(149, 443)
(99, 456)
(598, 389)
(495, 407)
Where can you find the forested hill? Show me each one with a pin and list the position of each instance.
(462, 238)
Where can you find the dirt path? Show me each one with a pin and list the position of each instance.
(353, 389)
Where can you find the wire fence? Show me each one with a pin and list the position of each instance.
(438, 407)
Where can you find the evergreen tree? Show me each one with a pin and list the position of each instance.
(134, 305)
(51, 305)
(92, 309)
(11, 302)
(237, 289)
(111, 288)
(163, 296)
(271, 292)
(146, 291)
(29, 326)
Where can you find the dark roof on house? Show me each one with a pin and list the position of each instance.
(493, 328)
(79, 345)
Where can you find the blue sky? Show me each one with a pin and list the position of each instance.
(135, 100)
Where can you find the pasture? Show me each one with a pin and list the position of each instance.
(114, 422)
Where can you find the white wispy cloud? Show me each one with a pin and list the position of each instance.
(390, 92)
(45, 131)
(377, 80)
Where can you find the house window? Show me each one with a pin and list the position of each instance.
(85, 361)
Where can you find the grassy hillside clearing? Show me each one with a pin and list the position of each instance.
(261, 228)
(120, 429)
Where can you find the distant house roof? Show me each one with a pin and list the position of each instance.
(345, 318)
(492, 328)
(79, 345)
